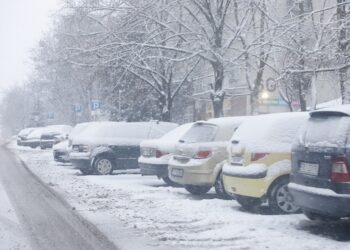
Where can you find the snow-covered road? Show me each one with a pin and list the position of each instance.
(157, 215)
(47, 220)
(12, 235)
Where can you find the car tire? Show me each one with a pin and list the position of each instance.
(280, 200)
(248, 203)
(319, 217)
(86, 171)
(219, 188)
(103, 165)
(169, 182)
(197, 190)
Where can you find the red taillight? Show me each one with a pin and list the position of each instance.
(160, 153)
(258, 156)
(340, 171)
(203, 154)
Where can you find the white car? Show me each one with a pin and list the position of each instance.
(156, 153)
(22, 135)
(196, 163)
(61, 150)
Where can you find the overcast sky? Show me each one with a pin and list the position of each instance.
(22, 24)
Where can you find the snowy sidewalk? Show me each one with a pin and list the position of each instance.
(172, 217)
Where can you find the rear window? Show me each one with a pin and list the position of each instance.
(327, 131)
(270, 133)
(200, 133)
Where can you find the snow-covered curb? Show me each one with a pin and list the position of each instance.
(169, 216)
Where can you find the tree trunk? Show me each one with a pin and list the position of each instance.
(218, 94)
(344, 86)
(254, 101)
(342, 49)
(313, 92)
(165, 108)
(301, 95)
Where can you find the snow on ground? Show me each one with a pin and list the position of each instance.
(172, 217)
(12, 236)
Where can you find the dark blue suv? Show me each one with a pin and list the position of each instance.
(320, 179)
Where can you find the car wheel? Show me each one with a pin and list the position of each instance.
(280, 199)
(219, 187)
(197, 190)
(169, 182)
(86, 171)
(320, 217)
(248, 203)
(103, 165)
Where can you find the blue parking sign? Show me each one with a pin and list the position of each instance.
(95, 105)
(77, 108)
(50, 115)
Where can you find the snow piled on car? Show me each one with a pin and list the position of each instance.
(122, 133)
(167, 142)
(269, 133)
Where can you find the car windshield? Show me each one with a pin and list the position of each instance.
(327, 131)
(200, 133)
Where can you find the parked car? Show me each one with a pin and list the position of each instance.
(22, 135)
(196, 161)
(54, 134)
(320, 180)
(258, 165)
(33, 138)
(155, 153)
(101, 148)
(61, 150)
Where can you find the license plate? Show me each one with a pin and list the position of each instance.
(177, 172)
(147, 152)
(237, 160)
(309, 168)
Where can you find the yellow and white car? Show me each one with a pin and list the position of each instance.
(196, 163)
(259, 162)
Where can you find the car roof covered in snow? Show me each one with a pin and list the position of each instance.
(61, 129)
(37, 132)
(226, 125)
(270, 132)
(167, 142)
(340, 110)
(122, 133)
(25, 131)
(80, 127)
